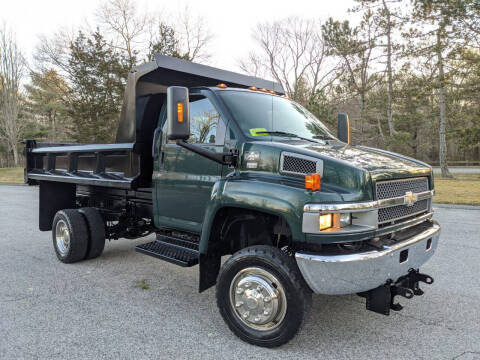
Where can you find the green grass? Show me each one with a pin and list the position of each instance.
(463, 189)
(143, 284)
(11, 175)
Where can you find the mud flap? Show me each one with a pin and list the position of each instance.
(54, 196)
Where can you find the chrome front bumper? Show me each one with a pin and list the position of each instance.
(353, 273)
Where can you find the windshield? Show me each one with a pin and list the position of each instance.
(260, 115)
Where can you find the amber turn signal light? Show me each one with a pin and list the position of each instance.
(180, 112)
(222, 86)
(313, 182)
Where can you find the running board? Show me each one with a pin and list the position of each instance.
(174, 250)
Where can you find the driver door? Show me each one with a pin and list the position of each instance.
(185, 179)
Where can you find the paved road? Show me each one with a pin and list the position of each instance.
(459, 169)
(93, 310)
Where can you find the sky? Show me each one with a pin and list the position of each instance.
(231, 22)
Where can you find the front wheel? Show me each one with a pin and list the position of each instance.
(262, 297)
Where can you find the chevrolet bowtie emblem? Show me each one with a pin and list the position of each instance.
(410, 198)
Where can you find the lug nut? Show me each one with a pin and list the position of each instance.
(239, 291)
(257, 319)
(238, 304)
(266, 312)
(245, 315)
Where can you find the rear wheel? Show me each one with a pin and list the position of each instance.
(262, 296)
(96, 231)
(70, 235)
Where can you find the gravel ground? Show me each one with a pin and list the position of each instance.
(95, 310)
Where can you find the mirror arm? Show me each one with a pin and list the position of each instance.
(230, 158)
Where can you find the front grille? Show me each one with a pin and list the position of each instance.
(397, 188)
(298, 165)
(401, 211)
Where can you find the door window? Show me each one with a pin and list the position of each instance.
(206, 125)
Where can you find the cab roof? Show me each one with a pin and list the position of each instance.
(154, 77)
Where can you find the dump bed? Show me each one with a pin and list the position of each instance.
(128, 164)
(107, 165)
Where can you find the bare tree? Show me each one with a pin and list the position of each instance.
(387, 16)
(388, 25)
(194, 37)
(439, 40)
(53, 52)
(188, 38)
(122, 18)
(292, 51)
(443, 110)
(12, 67)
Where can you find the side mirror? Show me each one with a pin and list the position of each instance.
(178, 113)
(343, 128)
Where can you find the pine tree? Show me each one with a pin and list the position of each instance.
(97, 82)
(355, 46)
(45, 98)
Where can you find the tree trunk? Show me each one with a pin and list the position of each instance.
(363, 108)
(15, 156)
(379, 125)
(443, 112)
(52, 120)
(391, 128)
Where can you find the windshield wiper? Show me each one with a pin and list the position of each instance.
(320, 137)
(282, 133)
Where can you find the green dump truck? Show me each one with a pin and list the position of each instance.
(218, 164)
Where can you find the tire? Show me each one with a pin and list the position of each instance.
(72, 225)
(96, 232)
(263, 269)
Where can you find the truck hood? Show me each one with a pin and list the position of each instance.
(348, 171)
(375, 161)
(372, 160)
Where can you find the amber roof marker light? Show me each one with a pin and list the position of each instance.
(222, 86)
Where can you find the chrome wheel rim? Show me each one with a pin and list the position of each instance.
(258, 299)
(62, 237)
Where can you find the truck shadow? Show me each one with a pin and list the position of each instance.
(331, 317)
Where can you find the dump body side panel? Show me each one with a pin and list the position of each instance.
(107, 165)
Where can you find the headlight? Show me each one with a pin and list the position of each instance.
(325, 221)
(345, 219)
(334, 221)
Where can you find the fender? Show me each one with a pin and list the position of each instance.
(273, 198)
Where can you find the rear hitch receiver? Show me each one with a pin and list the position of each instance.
(382, 298)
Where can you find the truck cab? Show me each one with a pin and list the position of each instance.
(222, 164)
